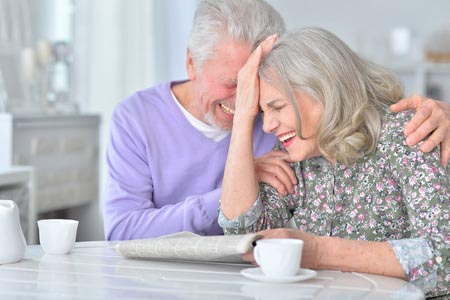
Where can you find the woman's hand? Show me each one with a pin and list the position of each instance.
(432, 117)
(311, 251)
(247, 94)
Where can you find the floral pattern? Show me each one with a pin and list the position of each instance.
(394, 193)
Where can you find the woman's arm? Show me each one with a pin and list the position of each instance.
(240, 183)
(332, 253)
(270, 210)
(425, 186)
(358, 256)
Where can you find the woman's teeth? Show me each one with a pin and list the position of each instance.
(286, 137)
(227, 109)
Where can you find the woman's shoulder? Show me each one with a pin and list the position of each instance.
(393, 126)
(396, 120)
(392, 142)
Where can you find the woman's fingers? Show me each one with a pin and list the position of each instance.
(263, 48)
(247, 95)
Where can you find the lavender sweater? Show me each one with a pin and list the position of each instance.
(163, 175)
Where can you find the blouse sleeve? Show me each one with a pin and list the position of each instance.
(411, 253)
(242, 221)
(426, 192)
(270, 210)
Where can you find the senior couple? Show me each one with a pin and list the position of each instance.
(346, 166)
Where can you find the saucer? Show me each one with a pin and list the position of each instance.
(257, 274)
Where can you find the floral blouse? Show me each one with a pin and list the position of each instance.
(396, 194)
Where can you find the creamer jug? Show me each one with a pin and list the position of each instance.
(12, 241)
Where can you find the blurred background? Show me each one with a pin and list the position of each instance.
(65, 64)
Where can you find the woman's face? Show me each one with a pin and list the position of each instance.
(280, 119)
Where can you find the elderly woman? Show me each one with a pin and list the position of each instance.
(364, 201)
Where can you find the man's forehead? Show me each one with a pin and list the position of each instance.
(237, 49)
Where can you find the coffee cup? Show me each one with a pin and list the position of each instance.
(57, 236)
(278, 257)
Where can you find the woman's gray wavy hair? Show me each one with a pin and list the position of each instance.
(353, 91)
(243, 20)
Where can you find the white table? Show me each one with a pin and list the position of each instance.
(94, 271)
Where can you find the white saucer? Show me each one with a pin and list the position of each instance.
(257, 274)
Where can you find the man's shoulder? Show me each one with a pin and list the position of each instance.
(147, 100)
(150, 96)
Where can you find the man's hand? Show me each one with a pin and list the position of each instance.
(432, 117)
(274, 169)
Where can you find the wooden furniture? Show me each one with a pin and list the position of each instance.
(16, 183)
(63, 149)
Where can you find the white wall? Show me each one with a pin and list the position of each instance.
(366, 25)
(172, 27)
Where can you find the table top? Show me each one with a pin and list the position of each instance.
(94, 271)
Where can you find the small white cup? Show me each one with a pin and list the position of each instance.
(57, 236)
(278, 257)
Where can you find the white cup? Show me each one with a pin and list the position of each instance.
(57, 236)
(279, 257)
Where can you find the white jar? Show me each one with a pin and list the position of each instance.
(12, 241)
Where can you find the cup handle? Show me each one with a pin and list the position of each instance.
(256, 255)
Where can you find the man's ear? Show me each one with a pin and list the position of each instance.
(190, 67)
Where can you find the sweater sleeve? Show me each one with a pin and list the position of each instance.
(426, 192)
(129, 210)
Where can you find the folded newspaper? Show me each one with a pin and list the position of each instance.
(189, 246)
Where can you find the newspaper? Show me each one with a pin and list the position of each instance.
(189, 246)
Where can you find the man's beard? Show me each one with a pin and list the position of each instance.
(209, 117)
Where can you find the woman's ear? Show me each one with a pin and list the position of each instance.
(190, 67)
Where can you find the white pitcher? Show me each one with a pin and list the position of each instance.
(12, 241)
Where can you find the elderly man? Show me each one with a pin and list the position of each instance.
(168, 144)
